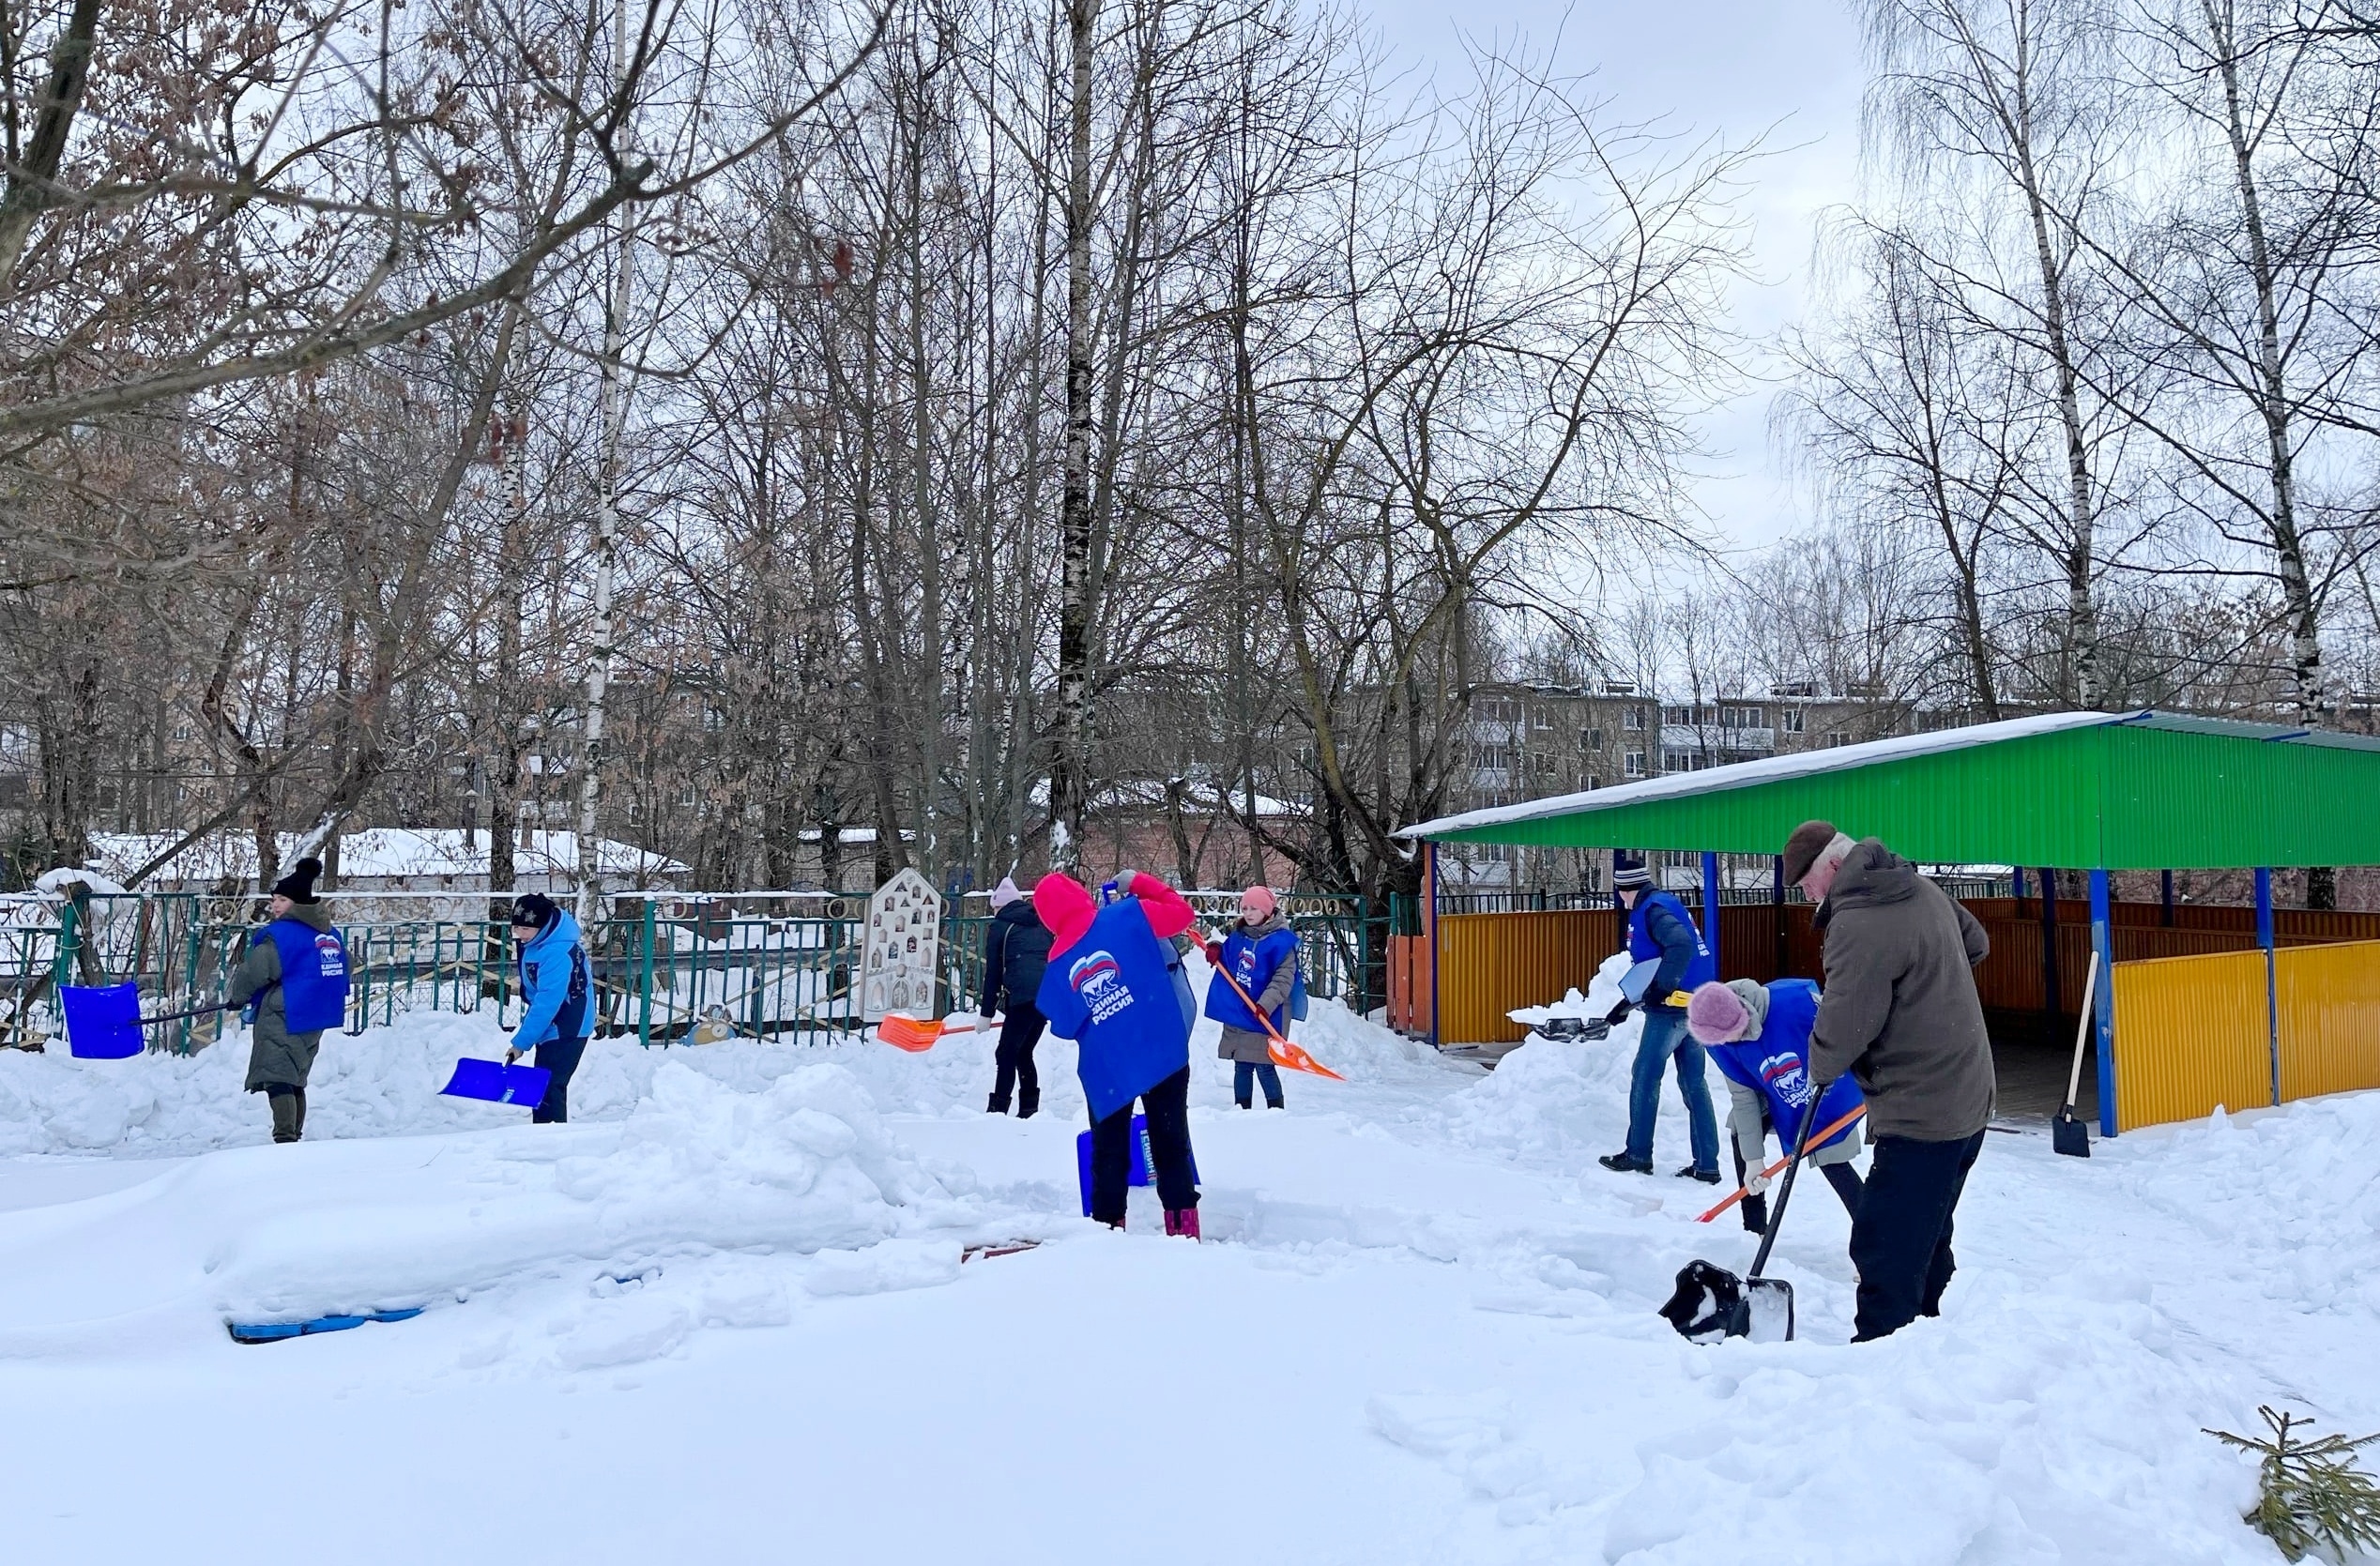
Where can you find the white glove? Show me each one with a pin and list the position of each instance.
(1755, 1182)
(982, 1025)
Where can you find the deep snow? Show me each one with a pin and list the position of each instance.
(725, 1315)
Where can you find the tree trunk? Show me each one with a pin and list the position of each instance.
(1070, 769)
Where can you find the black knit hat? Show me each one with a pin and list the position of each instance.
(298, 885)
(534, 908)
(1628, 870)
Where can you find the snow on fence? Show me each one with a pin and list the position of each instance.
(669, 967)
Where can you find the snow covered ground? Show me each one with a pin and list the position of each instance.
(723, 1316)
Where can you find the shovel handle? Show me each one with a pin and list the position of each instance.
(1773, 1170)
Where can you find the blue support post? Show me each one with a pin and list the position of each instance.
(1429, 928)
(2103, 1002)
(2167, 892)
(2272, 991)
(1711, 904)
(2019, 886)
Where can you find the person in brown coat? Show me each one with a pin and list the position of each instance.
(1901, 1015)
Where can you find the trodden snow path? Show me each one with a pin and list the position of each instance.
(723, 1316)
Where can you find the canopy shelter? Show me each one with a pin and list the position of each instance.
(2091, 791)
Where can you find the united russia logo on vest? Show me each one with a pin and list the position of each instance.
(1100, 982)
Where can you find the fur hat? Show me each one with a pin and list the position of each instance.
(1715, 1013)
(1801, 849)
(1006, 893)
(298, 885)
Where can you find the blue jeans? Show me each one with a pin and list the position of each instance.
(1665, 1035)
(1244, 1073)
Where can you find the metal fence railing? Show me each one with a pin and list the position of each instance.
(767, 965)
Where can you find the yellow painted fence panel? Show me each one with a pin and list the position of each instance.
(2190, 1033)
(2329, 998)
(1488, 964)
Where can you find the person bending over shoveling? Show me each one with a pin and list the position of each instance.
(1115, 986)
(1901, 1017)
(292, 981)
(1658, 927)
(1758, 1036)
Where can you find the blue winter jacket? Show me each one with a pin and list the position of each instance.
(1776, 1064)
(557, 987)
(1658, 927)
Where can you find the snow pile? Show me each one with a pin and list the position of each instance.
(800, 1166)
(1563, 1097)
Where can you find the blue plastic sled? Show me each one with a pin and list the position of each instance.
(104, 1023)
(274, 1332)
(499, 1082)
(1142, 1165)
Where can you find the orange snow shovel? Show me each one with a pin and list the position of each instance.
(917, 1034)
(1282, 1052)
(1820, 1140)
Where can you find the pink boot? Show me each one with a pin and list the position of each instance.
(1182, 1221)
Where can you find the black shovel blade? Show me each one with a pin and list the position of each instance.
(2069, 1135)
(1708, 1304)
(1767, 1310)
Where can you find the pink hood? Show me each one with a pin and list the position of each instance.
(1065, 907)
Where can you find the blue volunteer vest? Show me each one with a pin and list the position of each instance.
(313, 976)
(1702, 969)
(1113, 992)
(1777, 1064)
(1252, 963)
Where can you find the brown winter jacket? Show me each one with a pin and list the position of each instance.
(1900, 1010)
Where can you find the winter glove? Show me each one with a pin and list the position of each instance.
(1756, 1181)
(1215, 952)
(1123, 882)
(1617, 1015)
(511, 1055)
(982, 1025)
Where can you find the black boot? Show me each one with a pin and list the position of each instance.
(1028, 1104)
(1620, 1164)
(997, 1106)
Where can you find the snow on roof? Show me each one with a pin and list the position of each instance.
(378, 853)
(1744, 774)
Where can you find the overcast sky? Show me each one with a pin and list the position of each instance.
(1786, 70)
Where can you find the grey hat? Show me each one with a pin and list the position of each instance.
(1629, 870)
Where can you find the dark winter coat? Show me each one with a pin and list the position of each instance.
(275, 1054)
(1900, 1012)
(1271, 967)
(1015, 955)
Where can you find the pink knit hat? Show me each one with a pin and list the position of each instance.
(1259, 901)
(1715, 1014)
(1006, 893)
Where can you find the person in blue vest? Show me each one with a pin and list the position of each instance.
(1659, 928)
(291, 985)
(1758, 1036)
(1261, 953)
(558, 993)
(1115, 986)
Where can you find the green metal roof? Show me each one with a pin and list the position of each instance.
(2076, 790)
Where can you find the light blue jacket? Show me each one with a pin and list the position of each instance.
(555, 986)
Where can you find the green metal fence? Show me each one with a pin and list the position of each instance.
(771, 966)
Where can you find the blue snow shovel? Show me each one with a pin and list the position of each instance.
(499, 1082)
(105, 1023)
(1143, 1165)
